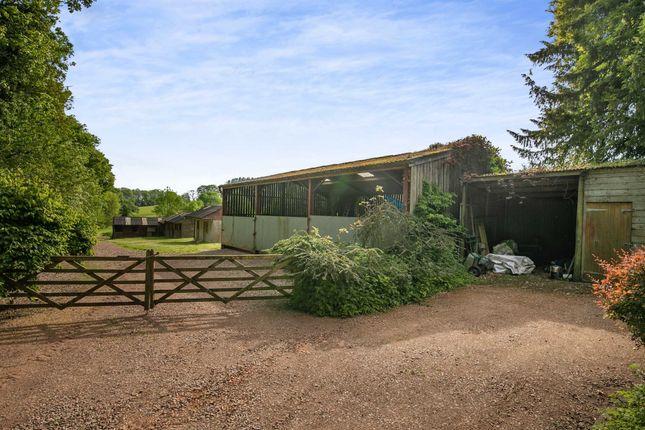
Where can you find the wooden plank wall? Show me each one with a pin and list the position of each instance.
(436, 171)
(625, 184)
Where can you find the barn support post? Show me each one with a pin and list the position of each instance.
(580, 214)
(406, 189)
(464, 202)
(256, 211)
(309, 205)
(149, 296)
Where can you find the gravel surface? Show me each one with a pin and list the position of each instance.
(481, 357)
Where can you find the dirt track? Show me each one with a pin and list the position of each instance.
(482, 357)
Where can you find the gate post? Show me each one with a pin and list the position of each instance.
(149, 298)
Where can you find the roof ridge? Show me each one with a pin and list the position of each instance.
(366, 162)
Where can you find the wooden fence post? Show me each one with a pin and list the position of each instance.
(149, 299)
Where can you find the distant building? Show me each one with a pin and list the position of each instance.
(208, 224)
(179, 226)
(136, 226)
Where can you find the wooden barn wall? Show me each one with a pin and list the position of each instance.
(620, 185)
(444, 175)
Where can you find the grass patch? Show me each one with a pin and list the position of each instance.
(165, 245)
(145, 211)
(105, 232)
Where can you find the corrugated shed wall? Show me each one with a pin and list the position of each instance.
(620, 185)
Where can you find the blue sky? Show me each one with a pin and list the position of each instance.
(183, 93)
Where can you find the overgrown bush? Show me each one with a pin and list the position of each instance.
(398, 259)
(628, 408)
(628, 411)
(621, 292)
(340, 280)
(432, 207)
(35, 225)
(82, 236)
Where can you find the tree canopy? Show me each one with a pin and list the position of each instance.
(595, 109)
(37, 135)
(55, 185)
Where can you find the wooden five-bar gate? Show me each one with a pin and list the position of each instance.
(149, 280)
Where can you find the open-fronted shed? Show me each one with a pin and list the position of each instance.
(259, 212)
(179, 226)
(576, 213)
(136, 226)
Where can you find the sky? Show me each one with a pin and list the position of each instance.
(192, 92)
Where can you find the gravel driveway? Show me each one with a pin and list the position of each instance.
(481, 357)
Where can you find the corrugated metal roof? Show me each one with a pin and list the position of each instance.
(205, 211)
(556, 171)
(320, 171)
(175, 218)
(135, 220)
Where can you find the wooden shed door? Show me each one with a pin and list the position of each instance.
(608, 227)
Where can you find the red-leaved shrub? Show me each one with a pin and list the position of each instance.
(621, 292)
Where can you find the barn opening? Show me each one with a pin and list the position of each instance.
(537, 211)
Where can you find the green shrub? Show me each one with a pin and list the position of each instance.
(399, 259)
(82, 236)
(432, 207)
(427, 245)
(34, 225)
(621, 290)
(332, 279)
(627, 412)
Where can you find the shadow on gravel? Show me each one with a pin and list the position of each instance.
(139, 325)
(474, 310)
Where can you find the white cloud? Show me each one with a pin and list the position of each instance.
(203, 91)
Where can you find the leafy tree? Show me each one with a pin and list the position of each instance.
(210, 198)
(128, 207)
(483, 156)
(140, 197)
(595, 109)
(192, 205)
(82, 236)
(497, 163)
(212, 188)
(170, 203)
(37, 135)
(190, 195)
(110, 207)
(101, 168)
(209, 195)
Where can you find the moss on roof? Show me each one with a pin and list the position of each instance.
(573, 169)
(348, 166)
